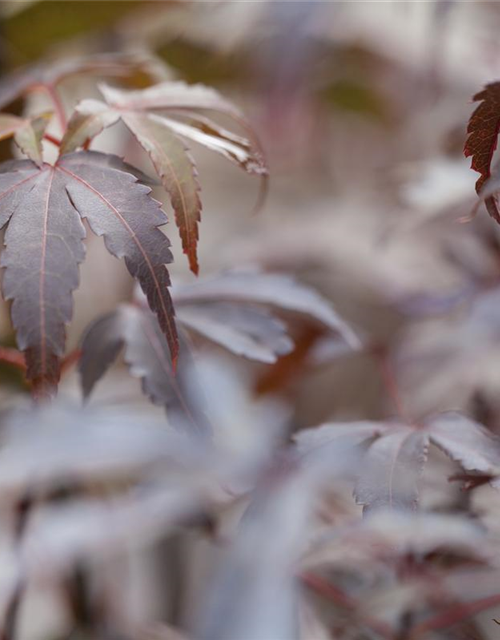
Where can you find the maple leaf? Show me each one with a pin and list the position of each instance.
(147, 355)
(27, 133)
(396, 533)
(50, 73)
(391, 469)
(396, 455)
(244, 330)
(163, 138)
(483, 129)
(225, 309)
(250, 286)
(43, 207)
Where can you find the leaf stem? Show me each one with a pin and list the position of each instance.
(337, 596)
(58, 105)
(388, 376)
(454, 614)
(71, 359)
(13, 357)
(22, 513)
(55, 141)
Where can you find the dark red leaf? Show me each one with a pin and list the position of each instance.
(483, 128)
(148, 357)
(44, 245)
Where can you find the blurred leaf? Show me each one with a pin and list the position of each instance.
(254, 592)
(39, 26)
(27, 133)
(148, 357)
(390, 534)
(467, 442)
(251, 286)
(44, 446)
(324, 439)
(198, 63)
(245, 331)
(52, 73)
(391, 469)
(348, 95)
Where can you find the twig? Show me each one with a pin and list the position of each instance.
(13, 357)
(23, 510)
(454, 614)
(379, 354)
(55, 141)
(58, 105)
(71, 359)
(336, 595)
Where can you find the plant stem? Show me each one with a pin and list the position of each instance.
(454, 614)
(55, 141)
(71, 359)
(334, 594)
(58, 105)
(13, 357)
(381, 357)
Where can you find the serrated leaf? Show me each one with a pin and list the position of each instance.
(252, 286)
(206, 132)
(178, 174)
(89, 118)
(143, 113)
(467, 442)
(27, 133)
(391, 469)
(148, 358)
(111, 161)
(122, 210)
(172, 96)
(245, 331)
(44, 245)
(483, 129)
(54, 441)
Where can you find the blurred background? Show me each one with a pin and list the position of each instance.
(362, 109)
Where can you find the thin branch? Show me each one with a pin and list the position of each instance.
(338, 597)
(454, 614)
(379, 354)
(70, 360)
(58, 105)
(55, 141)
(13, 357)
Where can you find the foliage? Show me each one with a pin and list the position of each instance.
(224, 502)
